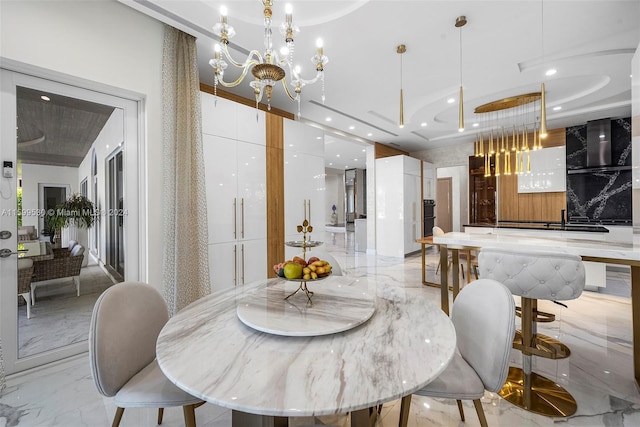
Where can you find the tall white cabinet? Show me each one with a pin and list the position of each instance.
(304, 179)
(398, 205)
(234, 142)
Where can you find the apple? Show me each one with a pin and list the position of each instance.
(293, 270)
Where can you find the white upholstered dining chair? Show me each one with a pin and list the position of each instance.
(125, 324)
(483, 317)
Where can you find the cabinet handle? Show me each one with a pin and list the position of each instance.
(235, 265)
(243, 263)
(235, 217)
(242, 210)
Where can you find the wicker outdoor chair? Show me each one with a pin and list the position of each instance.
(58, 268)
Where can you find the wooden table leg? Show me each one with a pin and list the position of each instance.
(444, 278)
(635, 320)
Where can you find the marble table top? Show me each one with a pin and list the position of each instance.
(334, 308)
(207, 351)
(586, 248)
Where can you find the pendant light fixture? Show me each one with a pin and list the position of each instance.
(401, 49)
(461, 21)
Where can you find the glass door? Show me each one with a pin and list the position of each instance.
(42, 166)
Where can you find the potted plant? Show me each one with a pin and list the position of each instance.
(76, 211)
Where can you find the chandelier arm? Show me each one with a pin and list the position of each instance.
(248, 62)
(286, 89)
(313, 80)
(245, 70)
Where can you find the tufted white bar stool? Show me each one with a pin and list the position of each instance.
(535, 275)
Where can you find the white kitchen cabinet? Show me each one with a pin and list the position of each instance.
(235, 170)
(398, 205)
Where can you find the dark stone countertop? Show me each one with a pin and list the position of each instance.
(538, 225)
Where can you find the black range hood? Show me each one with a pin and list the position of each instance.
(599, 143)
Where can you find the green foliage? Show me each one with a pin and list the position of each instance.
(76, 210)
(19, 195)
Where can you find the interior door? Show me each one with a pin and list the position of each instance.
(444, 204)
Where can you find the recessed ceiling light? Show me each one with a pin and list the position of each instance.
(290, 145)
(355, 160)
(346, 167)
(45, 98)
(364, 150)
(369, 134)
(557, 108)
(337, 155)
(551, 72)
(352, 127)
(318, 137)
(451, 100)
(328, 119)
(330, 164)
(423, 124)
(475, 125)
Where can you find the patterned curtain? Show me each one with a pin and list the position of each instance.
(186, 263)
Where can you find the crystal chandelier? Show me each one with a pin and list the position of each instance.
(268, 68)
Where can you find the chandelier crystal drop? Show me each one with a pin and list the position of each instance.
(269, 67)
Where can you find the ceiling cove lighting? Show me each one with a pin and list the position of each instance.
(400, 50)
(461, 21)
(268, 68)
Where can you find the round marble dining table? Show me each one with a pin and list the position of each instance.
(209, 352)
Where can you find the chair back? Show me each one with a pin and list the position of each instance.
(534, 274)
(125, 324)
(72, 243)
(483, 314)
(437, 231)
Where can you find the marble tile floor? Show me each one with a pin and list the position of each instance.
(596, 326)
(59, 317)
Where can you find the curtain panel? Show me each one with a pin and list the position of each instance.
(186, 263)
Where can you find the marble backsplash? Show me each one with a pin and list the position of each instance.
(600, 195)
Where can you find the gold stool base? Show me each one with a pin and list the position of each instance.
(546, 397)
(545, 346)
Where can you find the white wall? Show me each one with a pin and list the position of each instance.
(107, 141)
(335, 195)
(32, 175)
(109, 43)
